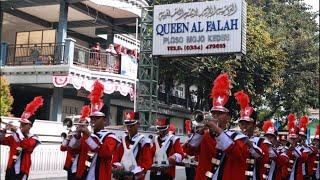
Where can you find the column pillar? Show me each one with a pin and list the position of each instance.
(62, 30)
(1, 21)
(109, 40)
(56, 104)
(106, 107)
(69, 51)
(3, 53)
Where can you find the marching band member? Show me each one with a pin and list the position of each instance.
(21, 143)
(282, 149)
(100, 145)
(277, 160)
(315, 167)
(168, 151)
(134, 156)
(171, 129)
(72, 157)
(202, 144)
(78, 145)
(313, 158)
(297, 154)
(306, 148)
(259, 153)
(222, 153)
(191, 168)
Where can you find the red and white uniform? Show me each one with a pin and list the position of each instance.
(261, 156)
(141, 152)
(311, 162)
(300, 156)
(173, 149)
(71, 158)
(103, 145)
(234, 154)
(204, 148)
(21, 162)
(282, 162)
(278, 160)
(80, 147)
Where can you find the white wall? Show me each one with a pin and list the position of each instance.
(80, 42)
(12, 25)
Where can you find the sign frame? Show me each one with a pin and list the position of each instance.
(183, 30)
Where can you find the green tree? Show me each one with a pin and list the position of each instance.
(280, 69)
(6, 99)
(297, 32)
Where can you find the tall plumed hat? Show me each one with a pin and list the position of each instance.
(245, 109)
(85, 112)
(268, 128)
(292, 128)
(303, 125)
(30, 109)
(220, 93)
(131, 118)
(162, 123)
(95, 98)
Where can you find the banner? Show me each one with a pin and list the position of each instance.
(211, 27)
(129, 66)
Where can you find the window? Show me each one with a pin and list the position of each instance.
(34, 44)
(36, 37)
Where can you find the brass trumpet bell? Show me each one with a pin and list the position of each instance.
(200, 118)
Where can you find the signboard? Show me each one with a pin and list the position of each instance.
(211, 27)
(129, 66)
(71, 107)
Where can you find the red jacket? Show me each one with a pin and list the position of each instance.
(80, 147)
(281, 161)
(174, 149)
(103, 154)
(264, 145)
(70, 155)
(205, 152)
(143, 153)
(235, 161)
(300, 157)
(311, 160)
(27, 144)
(236, 152)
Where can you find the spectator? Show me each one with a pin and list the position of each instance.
(118, 48)
(95, 55)
(111, 50)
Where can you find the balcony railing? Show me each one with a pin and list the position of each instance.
(173, 100)
(47, 161)
(35, 54)
(97, 61)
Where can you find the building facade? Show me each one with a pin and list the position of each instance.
(58, 49)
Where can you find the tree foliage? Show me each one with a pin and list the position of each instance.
(280, 69)
(6, 99)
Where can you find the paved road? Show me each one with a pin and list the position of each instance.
(180, 175)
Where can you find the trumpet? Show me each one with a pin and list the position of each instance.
(7, 125)
(200, 118)
(71, 123)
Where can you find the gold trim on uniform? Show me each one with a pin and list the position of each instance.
(250, 161)
(209, 174)
(267, 166)
(249, 173)
(215, 161)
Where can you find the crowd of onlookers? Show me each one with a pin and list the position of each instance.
(114, 50)
(99, 59)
